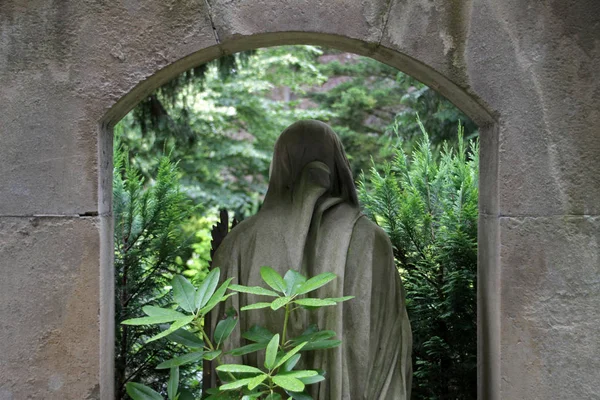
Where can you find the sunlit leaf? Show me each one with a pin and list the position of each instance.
(293, 280)
(137, 391)
(316, 282)
(207, 288)
(153, 311)
(288, 383)
(255, 306)
(253, 290)
(273, 279)
(271, 353)
(181, 360)
(216, 297)
(280, 302)
(184, 293)
(257, 380)
(180, 323)
(239, 368)
(287, 356)
(235, 384)
(315, 302)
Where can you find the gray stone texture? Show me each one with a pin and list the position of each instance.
(526, 71)
(49, 307)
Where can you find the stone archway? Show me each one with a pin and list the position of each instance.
(526, 73)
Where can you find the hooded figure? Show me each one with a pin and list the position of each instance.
(310, 222)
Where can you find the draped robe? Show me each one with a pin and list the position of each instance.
(310, 222)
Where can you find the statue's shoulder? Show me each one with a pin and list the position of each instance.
(365, 228)
(241, 230)
(235, 240)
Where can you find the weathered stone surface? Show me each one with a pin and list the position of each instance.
(550, 291)
(49, 308)
(488, 308)
(62, 68)
(535, 68)
(356, 19)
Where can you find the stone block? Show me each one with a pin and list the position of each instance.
(67, 72)
(49, 322)
(550, 291)
(363, 19)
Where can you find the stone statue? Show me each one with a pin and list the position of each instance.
(311, 222)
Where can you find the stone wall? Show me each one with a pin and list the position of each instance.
(526, 72)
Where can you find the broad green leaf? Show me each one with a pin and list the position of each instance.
(299, 396)
(315, 302)
(313, 336)
(258, 334)
(224, 329)
(228, 295)
(257, 380)
(173, 383)
(239, 368)
(289, 355)
(253, 290)
(216, 297)
(184, 293)
(180, 323)
(273, 279)
(316, 282)
(271, 354)
(235, 384)
(280, 302)
(340, 299)
(185, 394)
(181, 360)
(293, 280)
(291, 363)
(313, 379)
(186, 338)
(254, 396)
(288, 383)
(211, 355)
(153, 311)
(150, 320)
(207, 288)
(137, 391)
(322, 344)
(300, 374)
(255, 306)
(250, 348)
(273, 396)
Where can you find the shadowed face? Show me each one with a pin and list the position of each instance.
(302, 143)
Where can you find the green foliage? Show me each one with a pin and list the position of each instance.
(222, 119)
(222, 127)
(278, 376)
(149, 245)
(428, 207)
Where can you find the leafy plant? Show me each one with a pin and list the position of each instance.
(277, 376)
(149, 244)
(428, 207)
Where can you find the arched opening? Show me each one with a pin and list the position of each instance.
(403, 63)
